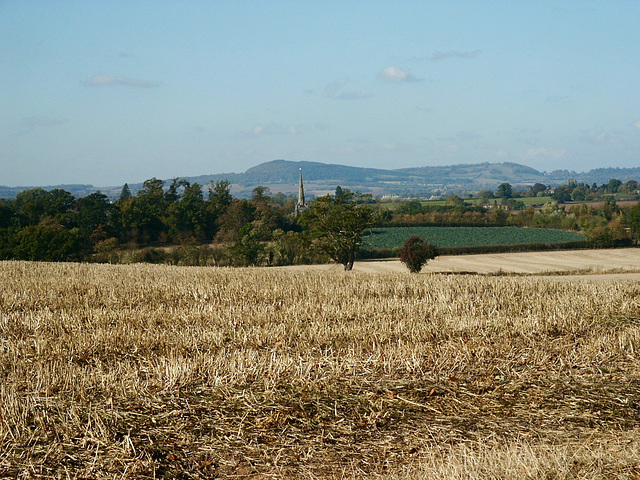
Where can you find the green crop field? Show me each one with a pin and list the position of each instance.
(394, 237)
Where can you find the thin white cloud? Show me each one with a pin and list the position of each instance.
(545, 152)
(334, 91)
(110, 80)
(273, 129)
(437, 56)
(637, 125)
(395, 74)
(601, 137)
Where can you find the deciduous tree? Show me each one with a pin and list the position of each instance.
(416, 252)
(336, 225)
(504, 190)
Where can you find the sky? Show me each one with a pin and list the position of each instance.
(108, 92)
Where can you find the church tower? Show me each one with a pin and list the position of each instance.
(301, 206)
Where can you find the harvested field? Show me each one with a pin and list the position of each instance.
(147, 371)
(618, 260)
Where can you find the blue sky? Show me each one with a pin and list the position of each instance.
(107, 92)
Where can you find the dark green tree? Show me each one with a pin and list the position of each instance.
(613, 185)
(609, 208)
(632, 186)
(485, 195)
(220, 193)
(579, 193)
(237, 215)
(454, 201)
(58, 203)
(173, 193)
(268, 215)
(411, 207)
(248, 248)
(504, 190)
(91, 212)
(416, 252)
(7, 212)
(142, 215)
(49, 242)
(562, 194)
(30, 206)
(336, 226)
(7, 219)
(36, 204)
(537, 188)
(186, 218)
(289, 247)
(219, 200)
(125, 193)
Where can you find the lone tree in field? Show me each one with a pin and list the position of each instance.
(415, 253)
(336, 224)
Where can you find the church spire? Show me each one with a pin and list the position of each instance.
(301, 206)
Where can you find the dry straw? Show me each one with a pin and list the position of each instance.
(150, 371)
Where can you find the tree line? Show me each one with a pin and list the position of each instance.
(571, 191)
(181, 223)
(53, 225)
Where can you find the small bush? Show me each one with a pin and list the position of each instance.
(416, 252)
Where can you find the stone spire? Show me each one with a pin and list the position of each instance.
(301, 206)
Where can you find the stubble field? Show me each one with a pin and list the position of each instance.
(164, 372)
(623, 262)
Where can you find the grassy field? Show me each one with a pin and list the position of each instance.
(535, 201)
(394, 237)
(528, 201)
(163, 372)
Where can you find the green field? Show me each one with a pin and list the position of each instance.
(535, 201)
(394, 237)
(528, 201)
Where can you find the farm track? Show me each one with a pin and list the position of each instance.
(145, 371)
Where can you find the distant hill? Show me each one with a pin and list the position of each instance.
(322, 178)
